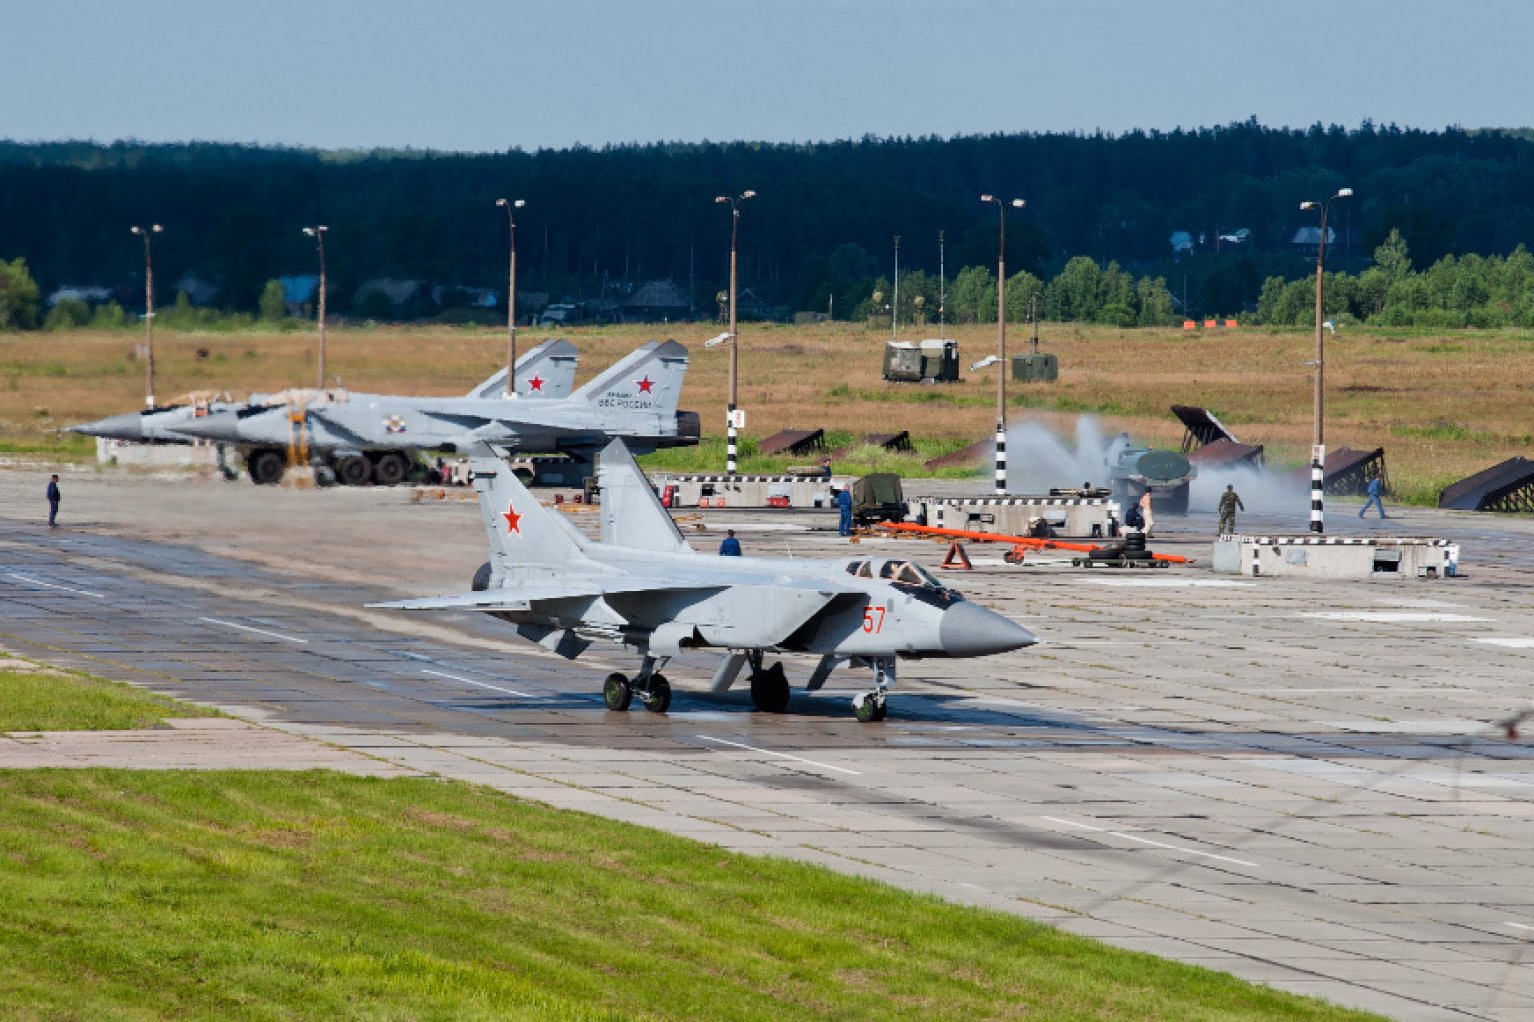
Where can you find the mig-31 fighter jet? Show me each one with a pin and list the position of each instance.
(635, 399)
(546, 371)
(643, 586)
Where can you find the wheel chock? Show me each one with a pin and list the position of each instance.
(957, 558)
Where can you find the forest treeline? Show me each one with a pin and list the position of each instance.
(1135, 228)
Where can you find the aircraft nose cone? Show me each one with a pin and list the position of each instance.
(968, 630)
(128, 426)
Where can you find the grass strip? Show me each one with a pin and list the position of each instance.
(266, 895)
(34, 699)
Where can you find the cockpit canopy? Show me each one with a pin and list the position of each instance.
(906, 574)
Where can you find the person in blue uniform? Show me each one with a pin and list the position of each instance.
(844, 502)
(731, 546)
(1374, 499)
(53, 502)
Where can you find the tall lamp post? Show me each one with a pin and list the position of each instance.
(734, 350)
(317, 232)
(1001, 339)
(895, 302)
(148, 233)
(511, 296)
(1318, 435)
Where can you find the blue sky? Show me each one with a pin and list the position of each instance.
(478, 75)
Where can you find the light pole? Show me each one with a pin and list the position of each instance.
(148, 233)
(895, 302)
(511, 296)
(317, 232)
(1001, 339)
(734, 349)
(1318, 434)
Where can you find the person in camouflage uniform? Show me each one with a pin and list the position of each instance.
(1229, 501)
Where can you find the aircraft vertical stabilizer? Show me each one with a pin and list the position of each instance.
(522, 531)
(547, 370)
(632, 516)
(648, 381)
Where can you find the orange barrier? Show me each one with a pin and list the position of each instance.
(1019, 543)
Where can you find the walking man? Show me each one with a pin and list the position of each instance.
(1229, 501)
(844, 502)
(731, 546)
(1374, 499)
(53, 502)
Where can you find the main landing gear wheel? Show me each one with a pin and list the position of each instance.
(354, 470)
(389, 469)
(869, 706)
(617, 693)
(265, 467)
(769, 689)
(658, 699)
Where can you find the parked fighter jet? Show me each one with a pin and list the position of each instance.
(642, 585)
(546, 371)
(636, 398)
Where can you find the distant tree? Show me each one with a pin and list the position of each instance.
(1391, 256)
(18, 296)
(181, 316)
(972, 296)
(1023, 289)
(1155, 302)
(375, 305)
(273, 305)
(108, 316)
(67, 314)
(1076, 294)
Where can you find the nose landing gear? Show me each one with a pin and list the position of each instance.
(872, 706)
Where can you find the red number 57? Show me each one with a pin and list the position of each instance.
(873, 619)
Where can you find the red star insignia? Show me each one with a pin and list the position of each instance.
(513, 520)
(646, 384)
(536, 383)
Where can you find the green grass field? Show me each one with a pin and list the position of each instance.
(48, 700)
(235, 895)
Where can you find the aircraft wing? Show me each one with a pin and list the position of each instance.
(523, 596)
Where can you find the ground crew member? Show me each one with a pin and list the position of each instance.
(1229, 501)
(1374, 498)
(53, 502)
(731, 546)
(1145, 512)
(844, 501)
(825, 467)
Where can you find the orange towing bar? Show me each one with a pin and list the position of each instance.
(1018, 542)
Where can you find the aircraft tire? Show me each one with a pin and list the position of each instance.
(481, 578)
(389, 469)
(354, 470)
(881, 707)
(769, 689)
(658, 699)
(266, 467)
(616, 692)
(863, 707)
